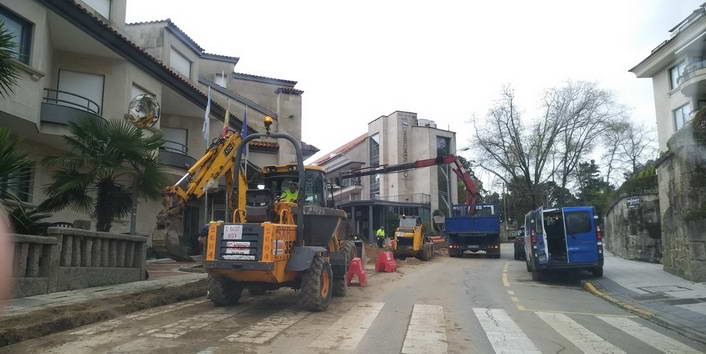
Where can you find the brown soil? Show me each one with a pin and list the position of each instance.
(54, 319)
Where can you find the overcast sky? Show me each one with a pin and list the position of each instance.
(445, 60)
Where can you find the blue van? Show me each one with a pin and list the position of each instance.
(563, 239)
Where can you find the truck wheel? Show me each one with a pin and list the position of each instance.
(597, 272)
(223, 291)
(316, 285)
(537, 276)
(348, 248)
(339, 283)
(423, 254)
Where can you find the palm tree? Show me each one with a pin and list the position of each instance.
(109, 166)
(12, 164)
(8, 66)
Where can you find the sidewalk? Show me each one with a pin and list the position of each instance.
(654, 294)
(35, 316)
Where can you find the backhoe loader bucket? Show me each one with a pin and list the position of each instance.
(168, 237)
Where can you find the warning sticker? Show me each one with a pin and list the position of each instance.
(233, 232)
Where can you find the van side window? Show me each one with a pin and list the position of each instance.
(577, 222)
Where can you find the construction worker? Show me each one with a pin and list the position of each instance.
(380, 233)
(291, 194)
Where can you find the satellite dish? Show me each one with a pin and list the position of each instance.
(143, 111)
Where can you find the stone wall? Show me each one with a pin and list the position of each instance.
(682, 192)
(632, 228)
(74, 259)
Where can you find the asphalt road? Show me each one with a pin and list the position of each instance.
(454, 305)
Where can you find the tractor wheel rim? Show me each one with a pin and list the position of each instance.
(325, 283)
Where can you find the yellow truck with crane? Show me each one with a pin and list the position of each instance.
(264, 243)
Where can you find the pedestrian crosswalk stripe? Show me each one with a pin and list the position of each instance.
(186, 325)
(503, 333)
(268, 328)
(577, 334)
(426, 332)
(347, 331)
(649, 336)
(139, 316)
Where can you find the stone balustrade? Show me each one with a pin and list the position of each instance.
(70, 259)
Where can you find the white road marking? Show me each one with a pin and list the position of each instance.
(648, 335)
(139, 316)
(426, 332)
(577, 334)
(700, 307)
(268, 328)
(503, 333)
(186, 325)
(346, 333)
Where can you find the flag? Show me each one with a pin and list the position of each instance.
(206, 119)
(244, 129)
(225, 120)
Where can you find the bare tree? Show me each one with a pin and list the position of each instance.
(635, 148)
(574, 116)
(614, 134)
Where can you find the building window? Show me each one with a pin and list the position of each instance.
(374, 162)
(443, 148)
(101, 6)
(220, 80)
(21, 30)
(175, 140)
(674, 73)
(180, 63)
(80, 90)
(18, 184)
(681, 116)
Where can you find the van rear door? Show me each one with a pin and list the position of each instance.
(581, 244)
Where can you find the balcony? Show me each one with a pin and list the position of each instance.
(421, 198)
(692, 82)
(175, 154)
(61, 107)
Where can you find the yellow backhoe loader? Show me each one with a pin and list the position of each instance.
(410, 240)
(265, 243)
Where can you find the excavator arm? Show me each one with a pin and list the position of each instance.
(168, 238)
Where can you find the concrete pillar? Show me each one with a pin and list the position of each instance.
(130, 254)
(97, 250)
(87, 255)
(67, 243)
(121, 253)
(371, 232)
(105, 257)
(353, 224)
(76, 252)
(35, 254)
(22, 260)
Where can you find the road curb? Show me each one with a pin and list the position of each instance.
(45, 321)
(650, 316)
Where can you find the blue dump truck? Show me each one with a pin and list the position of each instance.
(473, 227)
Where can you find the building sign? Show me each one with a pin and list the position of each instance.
(632, 202)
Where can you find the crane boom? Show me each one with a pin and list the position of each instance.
(459, 170)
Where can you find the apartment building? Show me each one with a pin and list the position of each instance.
(677, 68)
(80, 59)
(393, 139)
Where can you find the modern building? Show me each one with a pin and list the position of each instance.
(678, 72)
(80, 59)
(393, 139)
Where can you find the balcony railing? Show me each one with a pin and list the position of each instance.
(73, 100)
(175, 154)
(690, 69)
(421, 198)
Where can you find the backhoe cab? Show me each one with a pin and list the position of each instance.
(271, 243)
(410, 240)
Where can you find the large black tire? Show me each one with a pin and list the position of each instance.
(424, 254)
(223, 291)
(340, 287)
(537, 276)
(597, 272)
(316, 285)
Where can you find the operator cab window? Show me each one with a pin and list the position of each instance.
(314, 188)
